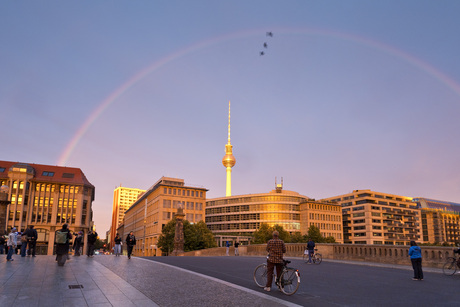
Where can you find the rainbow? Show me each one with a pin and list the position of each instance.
(441, 77)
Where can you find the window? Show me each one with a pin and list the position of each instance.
(166, 203)
(358, 208)
(49, 174)
(376, 234)
(68, 175)
(358, 214)
(2, 169)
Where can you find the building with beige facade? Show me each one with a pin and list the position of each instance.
(47, 197)
(236, 217)
(156, 207)
(327, 216)
(379, 218)
(123, 198)
(440, 221)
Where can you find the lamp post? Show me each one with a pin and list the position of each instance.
(4, 202)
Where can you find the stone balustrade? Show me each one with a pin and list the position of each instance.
(433, 256)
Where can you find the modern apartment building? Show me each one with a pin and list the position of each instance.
(440, 221)
(157, 206)
(123, 198)
(47, 196)
(379, 218)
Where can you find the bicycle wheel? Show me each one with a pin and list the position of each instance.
(450, 266)
(317, 259)
(305, 258)
(260, 275)
(289, 281)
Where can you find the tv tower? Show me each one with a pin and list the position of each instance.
(229, 160)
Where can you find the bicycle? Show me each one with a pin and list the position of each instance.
(316, 258)
(450, 267)
(288, 282)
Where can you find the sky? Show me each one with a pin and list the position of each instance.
(348, 94)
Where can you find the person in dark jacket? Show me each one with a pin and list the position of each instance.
(32, 237)
(130, 242)
(311, 249)
(117, 249)
(2, 244)
(92, 237)
(77, 243)
(415, 254)
(62, 249)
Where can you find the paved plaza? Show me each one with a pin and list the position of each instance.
(212, 281)
(39, 281)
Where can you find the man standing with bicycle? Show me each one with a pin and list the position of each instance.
(310, 249)
(275, 249)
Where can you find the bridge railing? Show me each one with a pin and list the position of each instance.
(433, 256)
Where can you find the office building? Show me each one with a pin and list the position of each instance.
(123, 198)
(47, 196)
(237, 217)
(156, 207)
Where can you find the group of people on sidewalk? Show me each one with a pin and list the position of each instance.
(19, 241)
(237, 245)
(63, 239)
(130, 243)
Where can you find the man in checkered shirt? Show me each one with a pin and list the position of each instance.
(275, 249)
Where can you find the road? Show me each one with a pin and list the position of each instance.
(333, 283)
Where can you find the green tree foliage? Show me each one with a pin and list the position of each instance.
(196, 236)
(296, 237)
(315, 234)
(265, 233)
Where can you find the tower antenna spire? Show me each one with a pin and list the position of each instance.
(229, 160)
(229, 122)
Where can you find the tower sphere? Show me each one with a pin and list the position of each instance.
(228, 160)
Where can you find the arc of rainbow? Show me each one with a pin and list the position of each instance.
(238, 35)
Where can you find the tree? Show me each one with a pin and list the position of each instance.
(166, 239)
(296, 237)
(315, 234)
(265, 233)
(196, 236)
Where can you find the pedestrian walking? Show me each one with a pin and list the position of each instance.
(32, 237)
(237, 244)
(310, 249)
(24, 244)
(130, 242)
(228, 248)
(92, 238)
(118, 243)
(275, 248)
(19, 243)
(415, 254)
(2, 244)
(12, 243)
(63, 237)
(77, 243)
